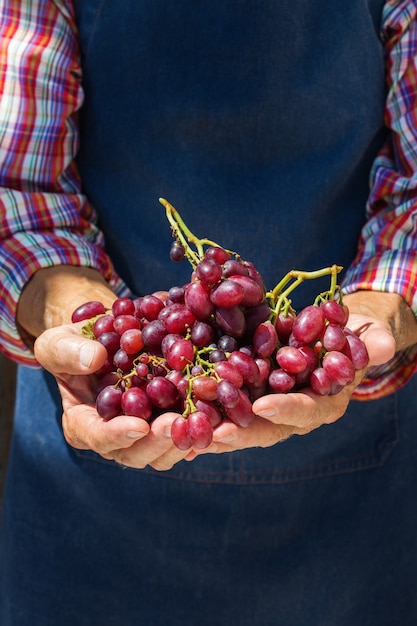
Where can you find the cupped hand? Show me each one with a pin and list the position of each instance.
(130, 441)
(382, 321)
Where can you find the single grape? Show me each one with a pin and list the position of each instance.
(335, 312)
(178, 319)
(88, 310)
(333, 338)
(253, 294)
(284, 325)
(227, 294)
(202, 334)
(217, 355)
(246, 365)
(211, 410)
(339, 367)
(135, 401)
(357, 351)
(177, 252)
(150, 307)
(176, 294)
(232, 267)
(281, 381)
(265, 339)
(320, 382)
(227, 394)
(142, 370)
(125, 322)
(228, 371)
(241, 414)
(227, 343)
(123, 306)
(209, 271)
(179, 433)
(180, 354)
(109, 402)
(122, 360)
(153, 333)
(231, 321)
(309, 324)
(162, 392)
(205, 387)
(103, 324)
(218, 254)
(200, 430)
(197, 299)
(291, 360)
(111, 341)
(131, 341)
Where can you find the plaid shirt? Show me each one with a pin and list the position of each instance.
(46, 221)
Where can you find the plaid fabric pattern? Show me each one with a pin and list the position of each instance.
(45, 219)
(387, 252)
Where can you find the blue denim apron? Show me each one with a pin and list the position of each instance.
(259, 122)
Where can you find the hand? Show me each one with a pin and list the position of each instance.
(383, 321)
(44, 311)
(131, 441)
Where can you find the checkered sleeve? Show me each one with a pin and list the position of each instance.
(45, 219)
(387, 254)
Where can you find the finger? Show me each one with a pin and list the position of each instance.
(64, 350)
(228, 437)
(85, 429)
(380, 345)
(156, 450)
(303, 410)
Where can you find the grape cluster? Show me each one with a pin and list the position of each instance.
(208, 349)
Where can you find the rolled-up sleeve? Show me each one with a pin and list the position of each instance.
(387, 252)
(45, 218)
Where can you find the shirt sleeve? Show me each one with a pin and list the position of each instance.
(387, 254)
(45, 219)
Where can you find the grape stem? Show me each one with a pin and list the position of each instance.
(278, 296)
(184, 235)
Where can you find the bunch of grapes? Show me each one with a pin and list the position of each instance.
(209, 348)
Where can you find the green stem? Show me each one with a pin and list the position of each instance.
(279, 295)
(184, 235)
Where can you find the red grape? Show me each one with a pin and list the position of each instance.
(162, 392)
(179, 433)
(339, 367)
(87, 311)
(136, 401)
(109, 402)
(309, 324)
(200, 430)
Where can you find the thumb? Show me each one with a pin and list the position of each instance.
(380, 344)
(63, 350)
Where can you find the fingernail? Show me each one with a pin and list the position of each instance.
(133, 434)
(167, 431)
(267, 413)
(87, 352)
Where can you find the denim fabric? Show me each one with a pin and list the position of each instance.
(328, 542)
(259, 121)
